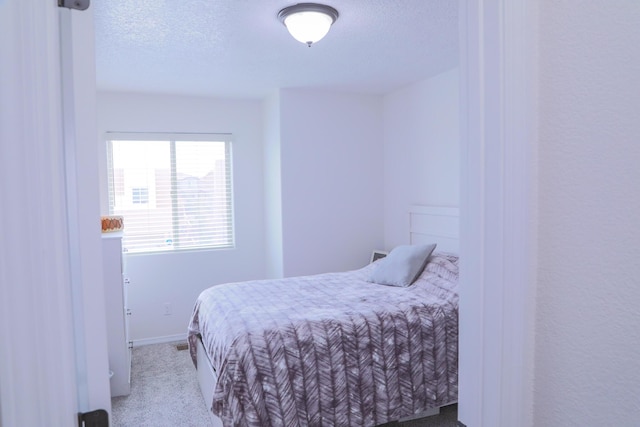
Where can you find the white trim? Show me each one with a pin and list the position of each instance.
(162, 136)
(71, 181)
(160, 340)
(498, 244)
(83, 207)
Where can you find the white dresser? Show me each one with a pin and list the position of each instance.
(117, 314)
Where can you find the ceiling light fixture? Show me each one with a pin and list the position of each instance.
(308, 22)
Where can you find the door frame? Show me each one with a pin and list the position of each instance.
(498, 61)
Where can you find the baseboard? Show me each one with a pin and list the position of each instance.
(160, 340)
(460, 424)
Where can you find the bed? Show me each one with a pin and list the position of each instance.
(334, 349)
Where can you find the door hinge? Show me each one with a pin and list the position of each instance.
(74, 4)
(97, 418)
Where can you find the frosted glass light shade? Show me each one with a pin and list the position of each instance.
(308, 27)
(308, 22)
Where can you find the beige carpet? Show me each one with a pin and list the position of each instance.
(165, 393)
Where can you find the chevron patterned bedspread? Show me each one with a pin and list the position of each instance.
(331, 349)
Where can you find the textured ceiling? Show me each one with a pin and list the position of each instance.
(239, 48)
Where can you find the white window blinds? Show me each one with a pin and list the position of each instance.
(174, 190)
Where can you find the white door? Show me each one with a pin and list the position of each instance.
(498, 204)
(47, 373)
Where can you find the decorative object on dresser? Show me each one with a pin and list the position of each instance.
(111, 223)
(119, 347)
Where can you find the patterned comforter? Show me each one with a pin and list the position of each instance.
(331, 349)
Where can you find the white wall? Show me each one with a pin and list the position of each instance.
(331, 172)
(178, 278)
(273, 188)
(421, 151)
(587, 369)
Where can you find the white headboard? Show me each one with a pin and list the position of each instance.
(435, 224)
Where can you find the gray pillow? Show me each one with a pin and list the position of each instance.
(402, 266)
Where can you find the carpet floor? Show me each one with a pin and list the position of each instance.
(165, 393)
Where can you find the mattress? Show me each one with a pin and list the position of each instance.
(330, 349)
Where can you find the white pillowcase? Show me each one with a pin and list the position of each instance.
(402, 266)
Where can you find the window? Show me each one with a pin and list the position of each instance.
(174, 190)
(140, 196)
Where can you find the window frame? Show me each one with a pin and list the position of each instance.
(174, 137)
